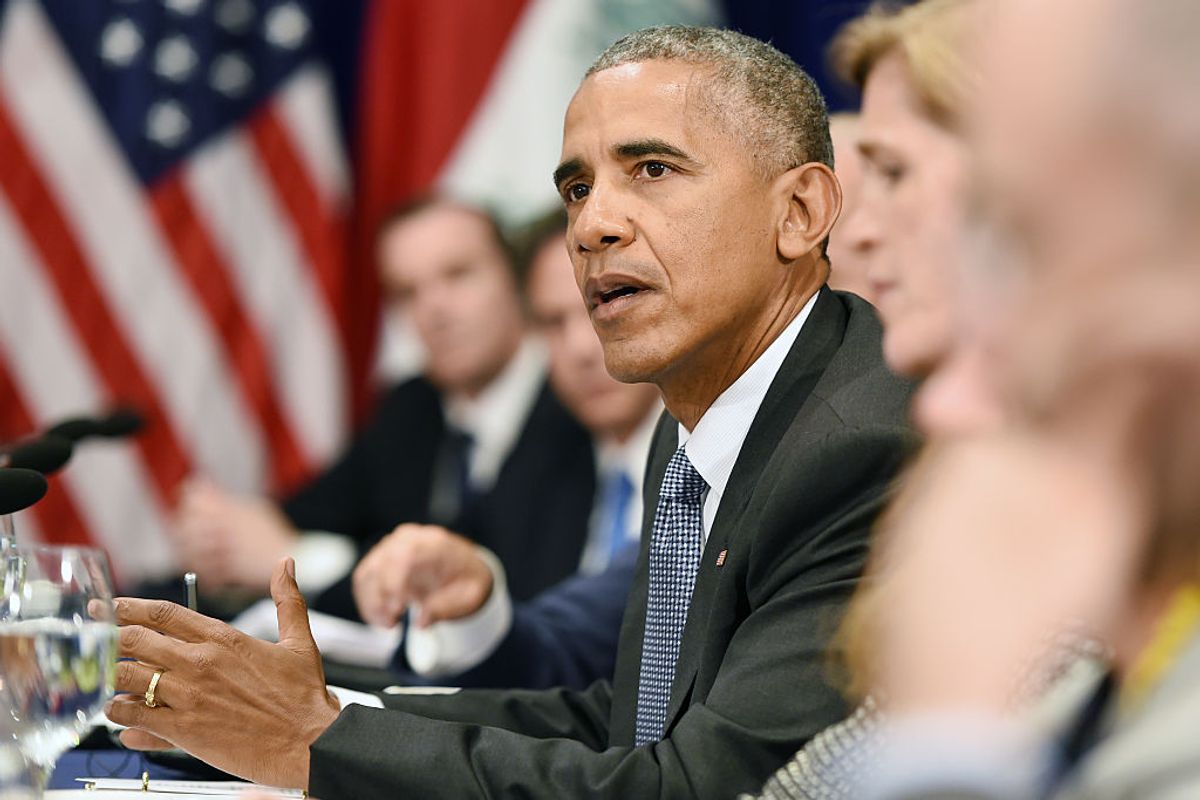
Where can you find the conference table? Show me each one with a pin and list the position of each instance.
(98, 758)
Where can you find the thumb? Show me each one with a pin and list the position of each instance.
(290, 608)
(453, 601)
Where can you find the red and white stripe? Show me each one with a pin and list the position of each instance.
(211, 303)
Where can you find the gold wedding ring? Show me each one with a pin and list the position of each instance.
(150, 701)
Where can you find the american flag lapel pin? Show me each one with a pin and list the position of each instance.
(721, 557)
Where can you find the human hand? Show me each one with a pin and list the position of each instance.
(249, 707)
(230, 540)
(421, 564)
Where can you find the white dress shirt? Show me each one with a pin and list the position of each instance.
(495, 417)
(713, 446)
(494, 420)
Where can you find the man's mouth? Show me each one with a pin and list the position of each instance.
(612, 288)
(620, 291)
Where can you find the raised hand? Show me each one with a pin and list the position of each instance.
(249, 707)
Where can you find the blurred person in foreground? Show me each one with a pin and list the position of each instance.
(1082, 506)
(470, 444)
(465, 630)
(852, 243)
(696, 171)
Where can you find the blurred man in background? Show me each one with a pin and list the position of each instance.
(471, 444)
(466, 632)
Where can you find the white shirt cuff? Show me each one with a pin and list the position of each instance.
(454, 646)
(347, 696)
(322, 559)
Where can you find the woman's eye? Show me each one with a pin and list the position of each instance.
(892, 173)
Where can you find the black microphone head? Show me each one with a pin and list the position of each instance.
(45, 455)
(120, 423)
(75, 428)
(20, 488)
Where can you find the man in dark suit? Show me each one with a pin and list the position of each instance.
(696, 173)
(469, 444)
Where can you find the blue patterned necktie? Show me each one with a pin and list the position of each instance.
(676, 542)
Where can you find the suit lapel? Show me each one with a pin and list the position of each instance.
(819, 339)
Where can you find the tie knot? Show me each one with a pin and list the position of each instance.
(681, 480)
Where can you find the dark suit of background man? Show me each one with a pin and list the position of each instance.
(470, 444)
(696, 176)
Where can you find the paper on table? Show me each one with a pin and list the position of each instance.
(178, 788)
(337, 638)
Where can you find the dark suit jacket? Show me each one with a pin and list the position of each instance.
(751, 682)
(566, 636)
(385, 477)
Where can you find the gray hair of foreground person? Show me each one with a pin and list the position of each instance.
(776, 106)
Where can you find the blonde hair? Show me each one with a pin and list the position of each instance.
(929, 35)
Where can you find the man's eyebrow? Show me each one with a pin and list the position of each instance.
(649, 147)
(567, 170)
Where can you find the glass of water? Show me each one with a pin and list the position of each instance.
(58, 646)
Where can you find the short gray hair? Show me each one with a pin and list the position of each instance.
(785, 116)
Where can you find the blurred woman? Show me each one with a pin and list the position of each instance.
(913, 198)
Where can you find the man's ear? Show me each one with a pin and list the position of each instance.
(812, 201)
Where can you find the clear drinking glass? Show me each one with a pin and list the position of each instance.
(58, 646)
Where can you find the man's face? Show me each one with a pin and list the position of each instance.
(671, 230)
(445, 270)
(607, 407)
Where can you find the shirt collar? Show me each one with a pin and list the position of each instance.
(630, 456)
(714, 444)
(494, 417)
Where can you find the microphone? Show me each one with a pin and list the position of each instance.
(19, 489)
(46, 455)
(117, 424)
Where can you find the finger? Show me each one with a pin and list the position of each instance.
(166, 617)
(368, 595)
(457, 600)
(291, 609)
(133, 678)
(133, 713)
(137, 739)
(149, 647)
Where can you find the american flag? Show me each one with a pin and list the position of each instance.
(173, 196)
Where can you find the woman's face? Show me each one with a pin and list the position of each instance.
(913, 196)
